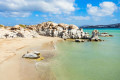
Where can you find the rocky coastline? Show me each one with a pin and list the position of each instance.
(61, 30)
(50, 29)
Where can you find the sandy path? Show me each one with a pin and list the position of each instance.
(13, 67)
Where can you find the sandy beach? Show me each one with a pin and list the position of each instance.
(14, 67)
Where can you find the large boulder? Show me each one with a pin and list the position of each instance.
(19, 34)
(73, 26)
(31, 56)
(94, 36)
(64, 26)
(86, 36)
(53, 24)
(64, 34)
(55, 33)
(72, 33)
(17, 26)
(78, 34)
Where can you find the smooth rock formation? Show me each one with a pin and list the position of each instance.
(94, 36)
(31, 56)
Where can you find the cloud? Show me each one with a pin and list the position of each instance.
(44, 16)
(15, 14)
(37, 15)
(79, 18)
(114, 19)
(28, 6)
(71, 18)
(104, 9)
(96, 18)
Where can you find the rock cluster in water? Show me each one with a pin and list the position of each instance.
(105, 34)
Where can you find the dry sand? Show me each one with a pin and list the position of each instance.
(13, 67)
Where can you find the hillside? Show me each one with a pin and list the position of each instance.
(102, 26)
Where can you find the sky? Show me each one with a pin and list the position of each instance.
(78, 12)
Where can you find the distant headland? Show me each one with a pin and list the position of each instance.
(102, 26)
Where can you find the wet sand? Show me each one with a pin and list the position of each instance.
(14, 67)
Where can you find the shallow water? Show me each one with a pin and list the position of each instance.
(89, 60)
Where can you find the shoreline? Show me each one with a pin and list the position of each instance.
(17, 68)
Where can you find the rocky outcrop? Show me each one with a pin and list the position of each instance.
(95, 36)
(17, 31)
(61, 30)
(105, 35)
(51, 29)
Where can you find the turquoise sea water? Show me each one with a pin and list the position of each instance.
(89, 60)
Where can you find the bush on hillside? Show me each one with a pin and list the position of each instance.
(23, 26)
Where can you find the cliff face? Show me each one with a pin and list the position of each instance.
(102, 26)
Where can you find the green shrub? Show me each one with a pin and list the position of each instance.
(23, 26)
(49, 21)
(1, 25)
